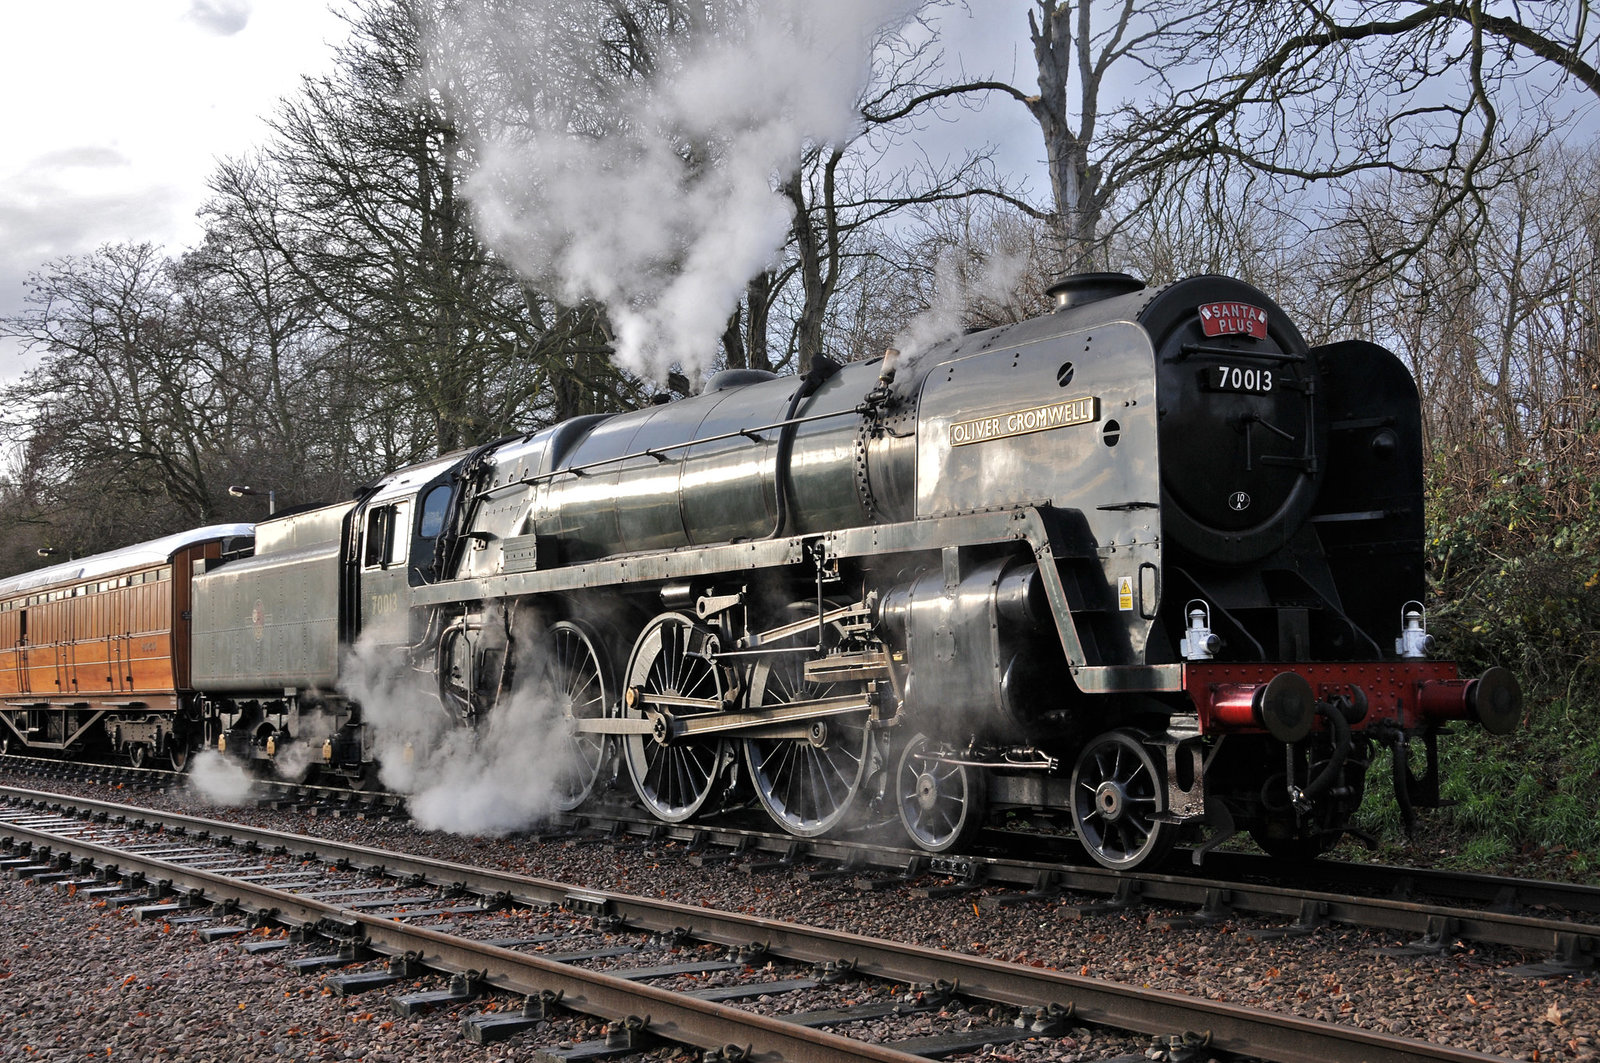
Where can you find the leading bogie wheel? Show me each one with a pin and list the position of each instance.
(807, 785)
(942, 805)
(580, 681)
(672, 671)
(1118, 792)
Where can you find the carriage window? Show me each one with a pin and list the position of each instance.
(433, 508)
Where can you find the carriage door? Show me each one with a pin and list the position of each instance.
(115, 603)
(66, 647)
(23, 686)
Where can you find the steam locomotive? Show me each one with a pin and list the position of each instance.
(1148, 561)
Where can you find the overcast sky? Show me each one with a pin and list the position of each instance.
(117, 111)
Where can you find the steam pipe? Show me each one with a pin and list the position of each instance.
(1340, 728)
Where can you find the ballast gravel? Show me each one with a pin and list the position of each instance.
(92, 982)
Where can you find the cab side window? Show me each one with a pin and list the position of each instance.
(380, 526)
(434, 505)
(387, 535)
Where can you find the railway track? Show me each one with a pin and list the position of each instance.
(1559, 923)
(368, 901)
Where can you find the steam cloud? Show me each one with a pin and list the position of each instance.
(658, 194)
(493, 779)
(956, 287)
(221, 780)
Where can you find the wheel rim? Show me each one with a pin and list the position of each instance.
(1117, 791)
(941, 805)
(177, 754)
(807, 785)
(138, 754)
(582, 686)
(671, 657)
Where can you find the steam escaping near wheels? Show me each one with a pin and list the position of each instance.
(221, 780)
(507, 771)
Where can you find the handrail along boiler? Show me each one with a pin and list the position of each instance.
(1148, 560)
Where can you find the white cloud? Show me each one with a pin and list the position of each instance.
(222, 17)
(85, 156)
(140, 102)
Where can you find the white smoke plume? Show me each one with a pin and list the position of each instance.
(220, 779)
(294, 761)
(958, 284)
(497, 777)
(658, 193)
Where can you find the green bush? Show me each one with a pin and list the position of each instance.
(1514, 569)
(1515, 572)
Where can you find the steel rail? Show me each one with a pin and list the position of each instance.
(1534, 933)
(673, 1016)
(1457, 885)
(1270, 1035)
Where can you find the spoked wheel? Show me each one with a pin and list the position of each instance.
(1117, 791)
(581, 681)
(672, 662)
(809, 784)
(941, 805)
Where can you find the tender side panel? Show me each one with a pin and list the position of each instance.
(265, 623)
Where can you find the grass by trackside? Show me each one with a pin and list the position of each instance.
(1523, 804)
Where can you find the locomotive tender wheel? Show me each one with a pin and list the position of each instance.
(581, 683)
(138, 754)
(177, 754)
(942, 806)
(671, 658)
(807, 785)
(1117, 790)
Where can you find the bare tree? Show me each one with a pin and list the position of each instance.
(129, 399)
(359, 196)
(1451, 98)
